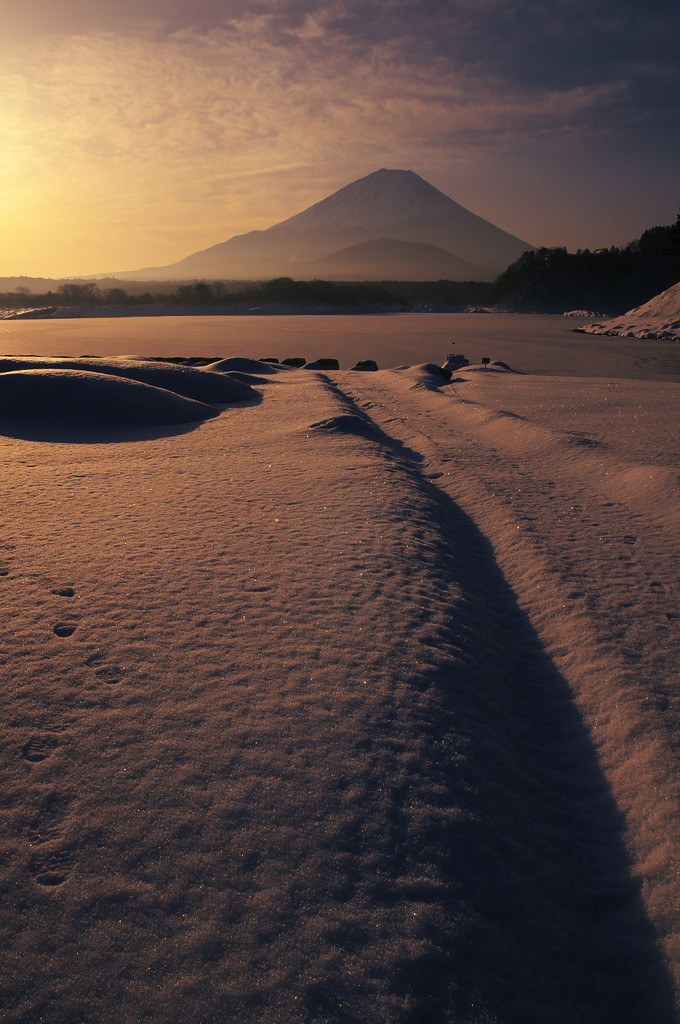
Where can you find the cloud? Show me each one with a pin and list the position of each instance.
(142, 113)
(523, 44)
(194, 96)
(168, 110)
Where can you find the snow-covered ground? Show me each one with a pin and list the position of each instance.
(355, 703)
(658, 319)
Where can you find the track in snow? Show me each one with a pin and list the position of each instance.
(342, 776)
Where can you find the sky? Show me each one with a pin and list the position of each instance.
(137, 132)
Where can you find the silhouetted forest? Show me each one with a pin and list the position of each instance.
(280, 290)
(544, 280)
(204, 293)
(606, 280)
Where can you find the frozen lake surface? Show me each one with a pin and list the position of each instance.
(531, 343)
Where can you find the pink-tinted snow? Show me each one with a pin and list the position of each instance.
(353, 704)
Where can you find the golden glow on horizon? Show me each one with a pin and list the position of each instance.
(119, 152)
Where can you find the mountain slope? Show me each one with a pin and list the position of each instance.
(390, 259)
(383, 197)
(394, 204)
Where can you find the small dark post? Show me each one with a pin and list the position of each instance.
(485, 361)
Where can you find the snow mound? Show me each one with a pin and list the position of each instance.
(79, 396)
(347, 423)
(495, 366)
(423, 375)
(656, 320)
(424, 370)
(201, 385)
(242, 365)
(248, 378)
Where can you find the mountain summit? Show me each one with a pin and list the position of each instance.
(381, 198)
(390, 225)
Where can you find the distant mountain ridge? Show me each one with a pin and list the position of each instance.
(389, 224)
(396, 260)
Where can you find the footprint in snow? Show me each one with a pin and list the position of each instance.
(47, 826)
(110, 674)
(39, 747)
(51, 868)
(51, 859)
(64, 629)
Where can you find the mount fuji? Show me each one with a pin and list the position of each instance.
(389, 225)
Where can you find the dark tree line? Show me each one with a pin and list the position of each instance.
(213, 293)
(607, 280)
(546, 280)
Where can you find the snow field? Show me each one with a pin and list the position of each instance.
(353, 705)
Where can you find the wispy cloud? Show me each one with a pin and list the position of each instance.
(196, 99)
(170, 109)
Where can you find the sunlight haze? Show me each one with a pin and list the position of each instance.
(133, 136)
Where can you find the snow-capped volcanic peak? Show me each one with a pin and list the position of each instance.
(397, 206)
(383, 197)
